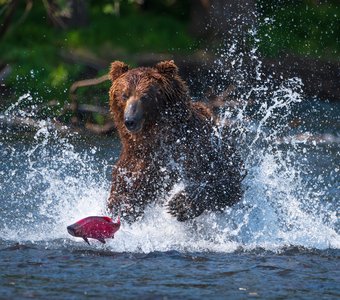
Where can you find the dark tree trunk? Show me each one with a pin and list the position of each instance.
(5, 23)
(221, 17)
(74, 13)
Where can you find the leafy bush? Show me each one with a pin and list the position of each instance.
(301, 27)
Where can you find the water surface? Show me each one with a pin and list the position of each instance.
(281, 241)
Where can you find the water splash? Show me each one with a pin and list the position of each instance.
(48, 180)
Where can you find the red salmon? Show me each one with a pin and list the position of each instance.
(99, 228)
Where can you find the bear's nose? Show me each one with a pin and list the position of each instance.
(130, 123)
(133, 115)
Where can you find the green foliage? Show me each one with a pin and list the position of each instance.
(300, 27)
(34, 48)
(133, 30)
(59, 75)
(98, 118)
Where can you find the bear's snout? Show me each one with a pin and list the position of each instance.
(133, 116)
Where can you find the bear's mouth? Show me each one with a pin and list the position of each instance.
(134, 126)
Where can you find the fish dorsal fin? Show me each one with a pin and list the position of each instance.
(86, 240)
(107, 219)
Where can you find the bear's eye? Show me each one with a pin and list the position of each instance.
(125, 96)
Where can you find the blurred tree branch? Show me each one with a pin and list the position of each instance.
(63, 14)
(9, 10)
(67, 13)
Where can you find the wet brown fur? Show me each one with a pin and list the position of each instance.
(173, 145)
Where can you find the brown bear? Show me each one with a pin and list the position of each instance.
(168, 139)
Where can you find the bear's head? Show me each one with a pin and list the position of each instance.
(143, 97)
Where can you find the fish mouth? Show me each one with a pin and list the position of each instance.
(71, 230)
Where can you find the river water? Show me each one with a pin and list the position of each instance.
(282, 241)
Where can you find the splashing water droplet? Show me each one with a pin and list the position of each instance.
(50, 180)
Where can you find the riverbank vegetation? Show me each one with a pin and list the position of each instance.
(44, 49)
(307, 28)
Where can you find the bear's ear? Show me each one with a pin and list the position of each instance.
(117, 68)
(167, 67)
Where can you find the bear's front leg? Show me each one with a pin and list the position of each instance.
(187, 204)
(131, 192)
(120, 205)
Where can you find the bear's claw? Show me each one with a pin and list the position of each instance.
(184, 208)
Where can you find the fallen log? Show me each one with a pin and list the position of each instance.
(107, 128)
(73, 96)
(88, 82)
(30, 124)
